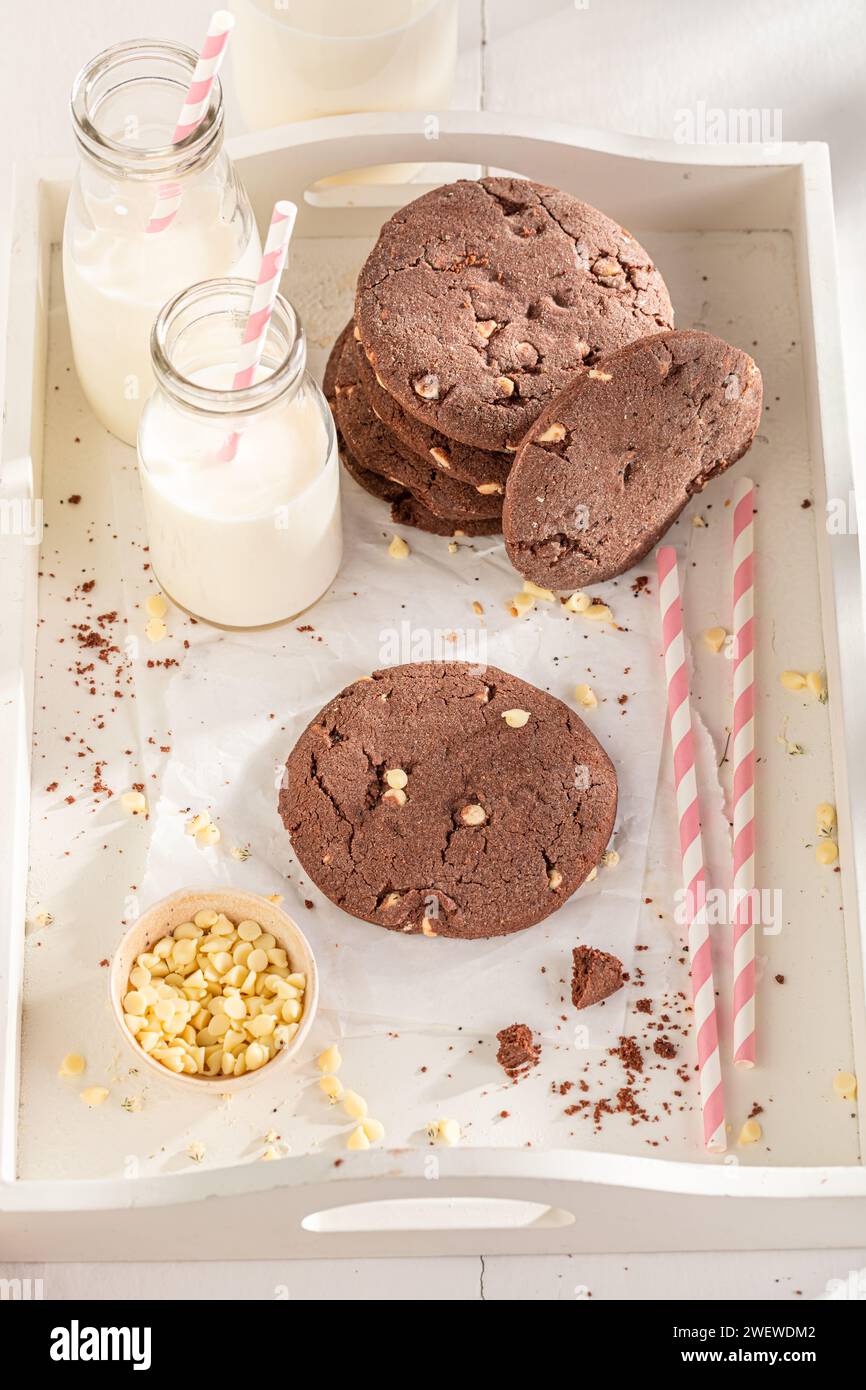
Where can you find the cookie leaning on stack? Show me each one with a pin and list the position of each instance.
(478, 303)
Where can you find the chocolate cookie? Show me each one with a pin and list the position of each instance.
(448, 799)
(483, 468)
(480, 300)
(375, 448)
(406, 510)
(329, 380)
(612, 461)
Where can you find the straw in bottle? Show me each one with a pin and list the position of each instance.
(262, 305)
(194, 107)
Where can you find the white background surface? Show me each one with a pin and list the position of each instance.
(631, 65)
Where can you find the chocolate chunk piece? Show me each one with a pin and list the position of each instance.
(610, 464)
(595, 976)
(517, 1052)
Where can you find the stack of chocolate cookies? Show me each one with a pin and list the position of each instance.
(477, 305)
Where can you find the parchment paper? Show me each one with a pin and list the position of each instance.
(235, 705)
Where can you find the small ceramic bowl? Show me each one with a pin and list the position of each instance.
(162, 918)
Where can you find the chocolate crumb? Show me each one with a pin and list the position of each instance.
(595, 976)
(517, 1052)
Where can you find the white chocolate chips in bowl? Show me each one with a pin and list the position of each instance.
(214, 988)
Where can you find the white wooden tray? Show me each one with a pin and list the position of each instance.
(745, 238)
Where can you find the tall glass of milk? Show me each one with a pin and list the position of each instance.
(125, 105)
(297, 59)
(241, 487)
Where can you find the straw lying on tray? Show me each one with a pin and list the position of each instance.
(744, 775)
(691, 849)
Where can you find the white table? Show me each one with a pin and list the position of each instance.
(650, 67)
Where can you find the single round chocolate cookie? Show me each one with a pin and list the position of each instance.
(481, 298)
(483, 468)
(375, 448)
(448, 799)
(612, 461)
(406, 510)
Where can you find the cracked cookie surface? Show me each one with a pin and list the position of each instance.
(610, 464)
(414, 804)
(481, 298)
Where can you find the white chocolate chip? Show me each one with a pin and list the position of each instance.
(520, 604)
(332, 1087)
(554, 879)
(156, 606)
(578, 602)
(94, 1095)
(440, 457)
(845, 1085)
(155, 630)
(73, 1064)
(396, 777)
(817, 685)
(208, 835)
(395, 795)
(473, 814)
(357, 1139)
(599, 613)
(330, 1060)
(446, 1132)
(489, 489)
(825, 818)
(600, 376)
(793, 680)
(610, 858)
(354, 1105)
(516, 718)
(398, 549)
(427, 928)
(536, 591)
(750, 1133)
(505, 386)
(374, 1130)
(427, 387)
(554, 434)
(586, 696)
(134, 802)
(714, 637)
(486, 327)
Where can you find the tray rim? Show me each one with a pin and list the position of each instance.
(39, 193)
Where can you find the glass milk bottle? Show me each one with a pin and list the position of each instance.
(297, 59)
(117, 273)
(241, 487)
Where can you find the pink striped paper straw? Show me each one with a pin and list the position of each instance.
(744, 775)
(691, 849)
(262, 305)
(194, 107)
